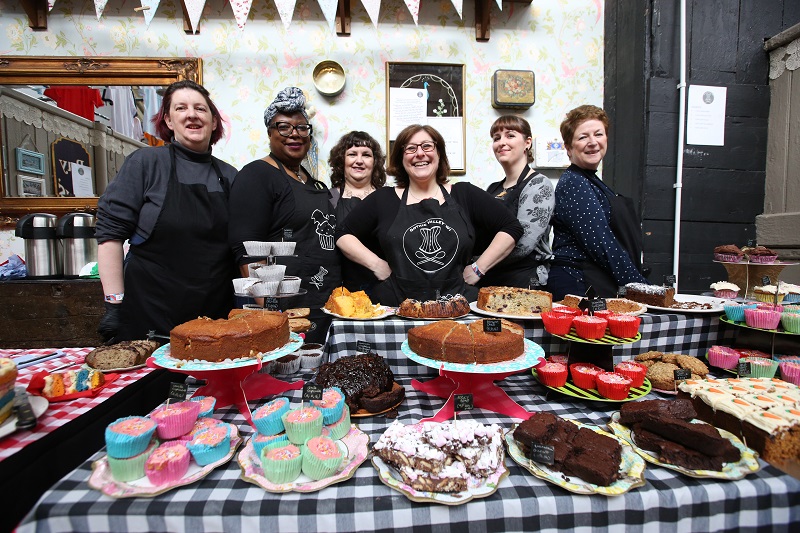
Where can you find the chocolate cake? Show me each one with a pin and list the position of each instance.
(703, 438)
(673, 453)
(650, 294)
(366, 380)
(634, 412)
(445, 307)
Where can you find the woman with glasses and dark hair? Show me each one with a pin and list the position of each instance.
(276, 199)
(171, 203)
(417, 238)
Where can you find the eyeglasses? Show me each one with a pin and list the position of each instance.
(427, 146)
(285, 129)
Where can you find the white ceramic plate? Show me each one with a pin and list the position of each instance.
(493, 314)
(163, 359)
(641, 307)
(115, 370)
(102, 480)
(431, 318)
(383, 313)
(39, 406)
(716, 304)
(530, 357)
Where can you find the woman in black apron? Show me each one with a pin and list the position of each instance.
(424, 229)
(276, 199)
(180, 265)
(597, 238)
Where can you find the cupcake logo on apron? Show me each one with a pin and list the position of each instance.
(325, 228)
(431, 245)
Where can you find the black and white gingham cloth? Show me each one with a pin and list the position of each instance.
(223, 501)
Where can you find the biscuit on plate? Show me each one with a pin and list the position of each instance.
(647, 356)
(661, 375)
(299, 325)
(692, 363)
(298, 312)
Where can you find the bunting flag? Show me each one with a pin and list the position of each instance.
(329, 11)
(241, 8)
(500, 4)
(51, 3)
(413, 8)
(99, 7)
(373, 8)
(194, 8)
(285, 10)
(149, 8)
(459, 5)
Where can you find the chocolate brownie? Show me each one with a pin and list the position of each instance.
(675, 454)
(634, 412)
(701, 437)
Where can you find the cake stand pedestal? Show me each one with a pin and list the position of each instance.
(475, 379)
(233, 382)
(748, 275)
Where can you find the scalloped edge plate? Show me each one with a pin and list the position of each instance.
(477, 310)
(631, 466)
(730, 472)
(530, 357)
(385, 312)
(683, 298)
(586, 394)
(355, 441)
(102, 480)
(162, 358)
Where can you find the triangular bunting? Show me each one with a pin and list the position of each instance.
(413, 8)
(50, 4)
(285, 10)
(194, 8)
(149, 8)
(373, 8)
(459, 5)
(500, 4)
(329, 11)
(99, 6)
(241, 8)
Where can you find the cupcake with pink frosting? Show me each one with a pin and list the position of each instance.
(168, 463)
(762, 318)
(267, 418)
(211, 445)
(175, 419)
(302, 424)
(331, 404)
(725, 289)
(613, 386)
(723, 357)
(321, 458)
(790, 371)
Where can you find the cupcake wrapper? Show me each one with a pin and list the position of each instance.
(584, 381)
(283, 248)
(131, 469)
(272, 423)
(557, 323)
(289, 285)
(172, 471)
(763, 259)
(209, 412)
(271, 272)
(728, 258)
(763, 371)
(735, 312)
(624, 331)
(310, 361)
(722, 358)
(300, 432)
(259, 445)
(590, 331)
(289, 367)
(791, 298)
(762, 320)
(264, 288)
(259, 248)
(727, 294)
(790, 323)
(243, 285)
(178, 424)
(613, 391)
(339, 429)
(556, 378)
(637, 378)
(283, 471)
(121, 446)
(333, 413)
(205, 455)
(768, 298)
(317, 468)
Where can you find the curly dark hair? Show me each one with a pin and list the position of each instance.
(163, 130)
(349, 140)
(578, 116)
(396, 168)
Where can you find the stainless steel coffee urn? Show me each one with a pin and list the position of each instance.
(42, 247)
(76, 231)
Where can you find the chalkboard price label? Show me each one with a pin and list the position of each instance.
(583, 304)
(751, 242)
(598, 304)
(533, 282)
(363, 347)
(765, 280)
(542, 453)
(669, 280)
(743, 368)
(622, 291)
(312, 391)
(287, 234)
(271, 303)
(682, 374)
(492, 325)
(463, 402)
(177, 391)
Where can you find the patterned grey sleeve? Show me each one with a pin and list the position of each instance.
(536, 204)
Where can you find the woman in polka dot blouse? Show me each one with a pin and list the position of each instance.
(591, 247)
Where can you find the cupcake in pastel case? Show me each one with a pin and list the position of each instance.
(331, 405)
(552, 374)
(310, 356)
(271, 272)
(613, 386)
(281, 462)
(724, 289)
(321, 458)
(283, 248)
(761, 368)
(302, 424)
(168, 463)
(790, 371)
(632, 370)
(728, 253)
(258, 248)
(735, 312)
(723, 357)
(766, 293)
(590, 327)
(584, 375)
(557, 323)
(289, 285)
(175, 419)
(791, 322)
(624, 326)
(267, 418)
(210, 445)
(207, 404)
(341, 427)
(202, 424)
(132, 468)
(792, 293)
(261, 441)
(129, 436)
(288, 364)
(762, 318)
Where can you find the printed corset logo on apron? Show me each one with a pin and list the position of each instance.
(431, 245)
(326, 227)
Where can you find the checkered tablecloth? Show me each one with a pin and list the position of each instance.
(223, 501)
(59, 413)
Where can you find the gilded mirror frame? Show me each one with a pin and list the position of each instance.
(100, 70)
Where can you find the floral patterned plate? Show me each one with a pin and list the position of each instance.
(631, 468)
(102, 480)
(355, 443)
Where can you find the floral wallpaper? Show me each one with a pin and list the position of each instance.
(561, 41)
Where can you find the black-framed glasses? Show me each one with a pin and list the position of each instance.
(285, 129)
(427, 146)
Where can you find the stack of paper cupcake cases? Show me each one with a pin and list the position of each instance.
(790, 371)
(310, 356)
(258, 248)
(283, 248)
(761, 367)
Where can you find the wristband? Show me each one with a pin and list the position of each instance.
(114, 297)
(477, 270)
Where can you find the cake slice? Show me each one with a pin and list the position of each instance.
(675, 454)
(703, 438)
(650, 294)
(634, 412)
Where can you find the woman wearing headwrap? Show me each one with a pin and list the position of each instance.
(276, 199)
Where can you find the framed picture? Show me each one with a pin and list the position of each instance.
(28, 161)
(30, 186)
(432, 94)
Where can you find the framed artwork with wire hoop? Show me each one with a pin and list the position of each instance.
(432, 94)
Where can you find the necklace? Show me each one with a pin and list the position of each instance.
(296, 174)
(417, 198)
(350, 193)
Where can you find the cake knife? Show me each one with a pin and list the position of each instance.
(26, 418)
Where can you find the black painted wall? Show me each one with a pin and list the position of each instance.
(723, 186)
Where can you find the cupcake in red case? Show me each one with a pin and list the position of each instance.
(724, 289)
(790, 371)
(584, 375)
(560, 358)
(552, 374)
(632, 370)
(557, 323)
(590, 327)
(613, 386)
(723, 357)
(748, 352)
(604, 313)
(762, 318)
(567, 311)
(624, 326)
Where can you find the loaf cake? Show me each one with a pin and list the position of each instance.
(514, 300)
(581, 452)
(454, 342)
(650, 294)
(445, 307)
(366, 381)
(442, 457)
(245, 334)
(121, 355)
(620, 306)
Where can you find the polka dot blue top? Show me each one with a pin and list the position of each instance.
(581, 229)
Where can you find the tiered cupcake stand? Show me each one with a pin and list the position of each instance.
(748, 275)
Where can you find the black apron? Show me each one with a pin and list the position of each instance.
(428, 245)
(355, 277)
(184, 269)
(312, 226)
